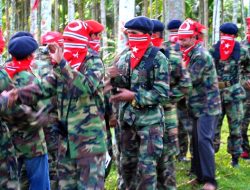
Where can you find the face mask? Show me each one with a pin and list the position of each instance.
(138, 44)
(156, 41)
(227, 43)
(75, 57)
(173, 37)
(95, 44)
(17, 66)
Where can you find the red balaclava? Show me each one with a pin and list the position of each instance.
(96, 28)
(227, 42)
(187, 30)
(76, 35)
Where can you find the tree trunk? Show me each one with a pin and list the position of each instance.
(248, 8)
(104, 33)
(235, 10)
(81, 9)
(56, 21)
(216, 21)
(151, 8)
(206, 22)
(71, 10)
(164, 4)
(243, 16)
(176, 10)
(145, 7)
(126, 12)
(33, 20)
(7, 18)
(13, 16)
(116, 18)
(94, 9)
(222, 11)
(45, 16)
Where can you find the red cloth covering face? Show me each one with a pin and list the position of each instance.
(248, 37)
(2, 42)
(156, 40)
(75, 57)
(76, 39)
(173, 37)
(227, 43)
(138, 44)
(95, 44)
(185, 56)
(16, 66)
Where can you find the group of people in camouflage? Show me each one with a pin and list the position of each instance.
(58, 103)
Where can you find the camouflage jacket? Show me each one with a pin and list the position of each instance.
(245, 65)
(149, 99)
(230, 71)
(205, 96)
(80, 103)
(29, 142)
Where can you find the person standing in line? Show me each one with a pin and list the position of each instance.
(144, 75)
(204, 103)
(229, 56)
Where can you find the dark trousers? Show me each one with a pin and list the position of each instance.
(203, 163)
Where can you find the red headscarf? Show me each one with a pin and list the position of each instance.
(138, 44)
(2, 42)
(52, 36)
(76, 35)
(227, 43)
(248, 29)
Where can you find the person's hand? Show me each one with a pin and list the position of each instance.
(112, 121)
(123, 95)
(247, 84)
(107, 86)
(56, 52)
(113, 71)
(11, 95)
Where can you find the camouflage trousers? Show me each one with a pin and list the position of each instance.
(245, 124)
(8, 161)
(166, 175)
(234, 112)
(141, 148)
(184, 132)
(52, 140)
(120, 181)
(86, 173)
(110, 150)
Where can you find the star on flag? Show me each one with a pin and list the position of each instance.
(134, 49)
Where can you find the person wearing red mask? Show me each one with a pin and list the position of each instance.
(28, 139)
(95, 36)
(180, 84)
(158, 32)
(204, 103)
(145, 72)
(246, 84)
(229, 57)
(77, 82)
(43, 67)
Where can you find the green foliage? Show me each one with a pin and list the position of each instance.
(228, 178)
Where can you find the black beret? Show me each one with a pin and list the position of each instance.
(21, 33)
(229, 28)
(174, 24)
(21, 47)
(158, 26)
(140, 23)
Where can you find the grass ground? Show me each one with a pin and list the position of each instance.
(228, 178)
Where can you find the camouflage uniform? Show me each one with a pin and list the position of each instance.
(142, 124)
(180, 83)
(42, 68)
(29, 141)
(232, 94)
(184, 120)
(246, 119)
(81, 113)
(205, 106)
(8, 159)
